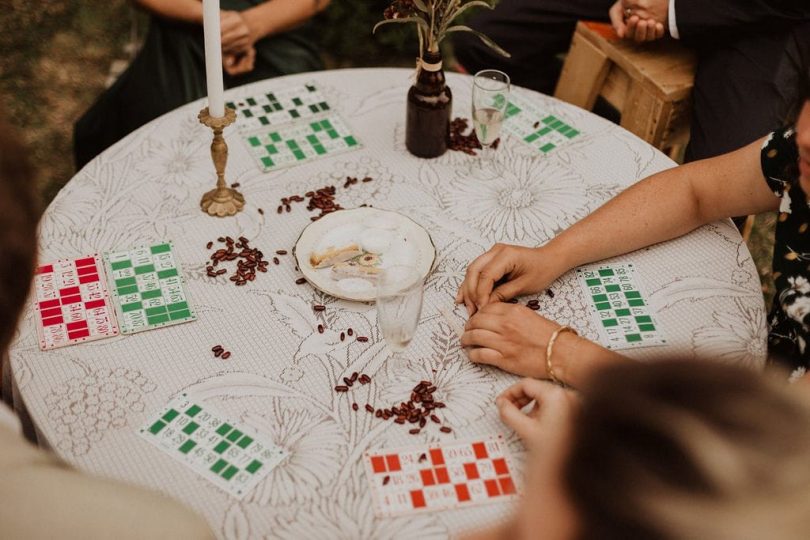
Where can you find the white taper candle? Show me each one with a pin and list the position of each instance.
(213, 58)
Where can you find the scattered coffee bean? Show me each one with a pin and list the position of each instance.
(276, 261)
(300, 281)
(235, 185)
(445, 429)
(218, 353)
(319, 307)
(281, 252)
(362, 339)
(350, 332)
(435, 419)
(209, 245)
(354, 406)
(386, 479)
(226, 355)
(347, 381)
(354, 376)
(369, 408)
(414, 431)
(365, 379)
(342, 336)
(341, 388)
(550, 293)
(536, 125)
(422, 457)
(261, 211)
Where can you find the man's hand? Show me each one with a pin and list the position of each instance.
(505, 272)
(241, 63)
(640, 20)
(514, 338)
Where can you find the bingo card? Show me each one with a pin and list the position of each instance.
(233, 457)
(439, 477)
(72, 304)
(619, 307)
(539, 130)
(291, 125)
(147, 287)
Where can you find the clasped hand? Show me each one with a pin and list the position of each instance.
(238, 39)
(640, 20)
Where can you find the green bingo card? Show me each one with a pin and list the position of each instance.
(539, 130)
(292, 125)
(147, 288)
(300, 142)
(233, 457)
(279, 107)
(620, 307)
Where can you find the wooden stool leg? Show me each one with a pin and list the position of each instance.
(583, 74)
(645, 115)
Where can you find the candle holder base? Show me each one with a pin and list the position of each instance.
(222, 200)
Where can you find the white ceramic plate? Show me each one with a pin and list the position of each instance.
(398, 239)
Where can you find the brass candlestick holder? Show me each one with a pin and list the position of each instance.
(222, 200)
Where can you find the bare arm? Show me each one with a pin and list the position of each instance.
(662, 207)
(670, 204)
(276, 16)
(180, 10)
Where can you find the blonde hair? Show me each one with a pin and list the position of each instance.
(691, 450)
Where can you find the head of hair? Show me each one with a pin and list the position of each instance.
(19, 215)
(687, 449)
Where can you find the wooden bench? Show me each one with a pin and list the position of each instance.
(650, 85)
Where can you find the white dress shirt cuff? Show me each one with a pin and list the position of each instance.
(673, 24)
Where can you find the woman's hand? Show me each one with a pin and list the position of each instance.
(514, 338)
(237, 35)
(238, 64)
(553, 405)
(505, 272)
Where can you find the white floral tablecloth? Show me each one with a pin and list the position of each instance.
(87, 401)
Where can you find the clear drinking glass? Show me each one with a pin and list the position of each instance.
(399, 304)
(490, 97)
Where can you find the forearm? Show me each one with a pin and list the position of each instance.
(659, 208)
(276, 16)
(576, 358)
(668, 205)
(189, 11)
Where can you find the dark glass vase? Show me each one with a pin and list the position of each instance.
(430, 104)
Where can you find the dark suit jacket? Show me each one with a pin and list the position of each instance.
(704, 21)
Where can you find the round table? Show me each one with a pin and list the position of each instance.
(88, 401)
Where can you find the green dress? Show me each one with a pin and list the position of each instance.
(169, 71)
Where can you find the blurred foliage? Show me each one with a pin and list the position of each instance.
(344, 33)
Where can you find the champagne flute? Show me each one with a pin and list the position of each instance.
(489, 100)
(399, 304)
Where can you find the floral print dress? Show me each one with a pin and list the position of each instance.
(789, 320)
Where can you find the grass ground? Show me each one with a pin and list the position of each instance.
(57, 55)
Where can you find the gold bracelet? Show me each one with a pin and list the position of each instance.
(550, 349)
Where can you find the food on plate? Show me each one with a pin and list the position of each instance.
(368, 259)
(353, 269)
(334, 255)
